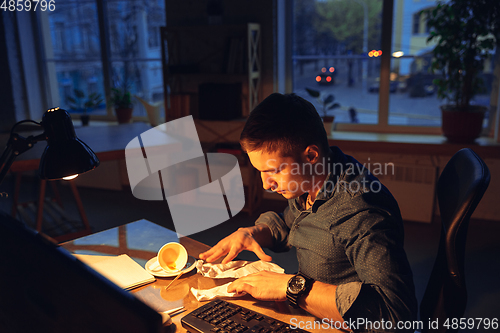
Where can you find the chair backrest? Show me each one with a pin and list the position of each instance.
(459, 190)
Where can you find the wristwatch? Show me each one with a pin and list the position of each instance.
(298, 285)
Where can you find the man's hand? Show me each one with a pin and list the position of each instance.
(241, 239)
(265, 286)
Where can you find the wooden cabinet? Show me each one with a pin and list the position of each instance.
(215, 54)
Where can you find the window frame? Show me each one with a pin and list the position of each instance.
(383, 125)
(49, 61)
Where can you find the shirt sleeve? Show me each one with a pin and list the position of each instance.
(373, 240)
(279, 228)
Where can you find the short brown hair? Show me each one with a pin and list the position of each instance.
(284, 123)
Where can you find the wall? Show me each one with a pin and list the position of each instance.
(8, 114)
(194, 12)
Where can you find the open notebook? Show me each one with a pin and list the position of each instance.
(122, 270)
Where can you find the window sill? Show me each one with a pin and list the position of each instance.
(410, 144)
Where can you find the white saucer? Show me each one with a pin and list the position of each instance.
(160, 272)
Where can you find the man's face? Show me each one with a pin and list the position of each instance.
(283, 175)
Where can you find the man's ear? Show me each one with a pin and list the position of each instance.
(311, 154)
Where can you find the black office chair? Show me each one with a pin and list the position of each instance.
(459, 190)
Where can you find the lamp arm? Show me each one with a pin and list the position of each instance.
(16, 146)
(6, 161)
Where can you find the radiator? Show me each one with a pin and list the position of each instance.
(413, 186)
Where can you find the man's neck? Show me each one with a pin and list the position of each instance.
(317, 185)
(318, 179)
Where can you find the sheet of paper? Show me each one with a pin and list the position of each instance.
(90, 259)
(122, 270)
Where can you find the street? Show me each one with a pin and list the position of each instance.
(403, 110)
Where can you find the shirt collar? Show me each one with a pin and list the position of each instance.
(336, 160)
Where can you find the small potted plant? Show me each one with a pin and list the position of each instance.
(466, 32)
(79, 104)
(327, 103)
(122, 102)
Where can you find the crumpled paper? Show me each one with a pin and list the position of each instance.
(208, 294)
(233, 269)
(236, 269)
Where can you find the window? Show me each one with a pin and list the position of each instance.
(416, 23)
(396, 96)
(59, 38)
(154, 36)
(415, 102)
(336, 38)
(427, 28)
(75, 60)
(420, 23)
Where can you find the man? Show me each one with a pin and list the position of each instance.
(345, 225)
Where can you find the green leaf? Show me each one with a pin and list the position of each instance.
(330, 98)
(334, 106)
(79, 93)
(313, 93)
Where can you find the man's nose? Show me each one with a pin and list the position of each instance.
(267, 182)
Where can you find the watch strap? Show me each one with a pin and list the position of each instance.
(293, 299)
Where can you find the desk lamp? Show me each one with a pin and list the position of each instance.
(65, 156)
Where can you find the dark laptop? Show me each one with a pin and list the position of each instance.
(43, 288)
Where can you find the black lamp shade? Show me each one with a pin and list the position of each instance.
(65, 154)
(67, 158)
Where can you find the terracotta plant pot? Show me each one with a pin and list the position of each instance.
(124, 115)
(462, 126)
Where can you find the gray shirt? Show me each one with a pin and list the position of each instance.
(351, 237)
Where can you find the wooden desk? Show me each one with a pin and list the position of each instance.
(141, 240)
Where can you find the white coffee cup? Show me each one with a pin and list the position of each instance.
(172, 257)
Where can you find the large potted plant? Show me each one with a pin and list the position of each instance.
(327, 102)
(122, 102)
(466, 33)
(79, 104)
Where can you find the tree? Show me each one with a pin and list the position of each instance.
(304, 17)
(343, 20)
(307, 40)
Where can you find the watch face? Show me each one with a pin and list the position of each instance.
(297, 284)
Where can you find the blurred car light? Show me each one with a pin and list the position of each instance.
(326, 75)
